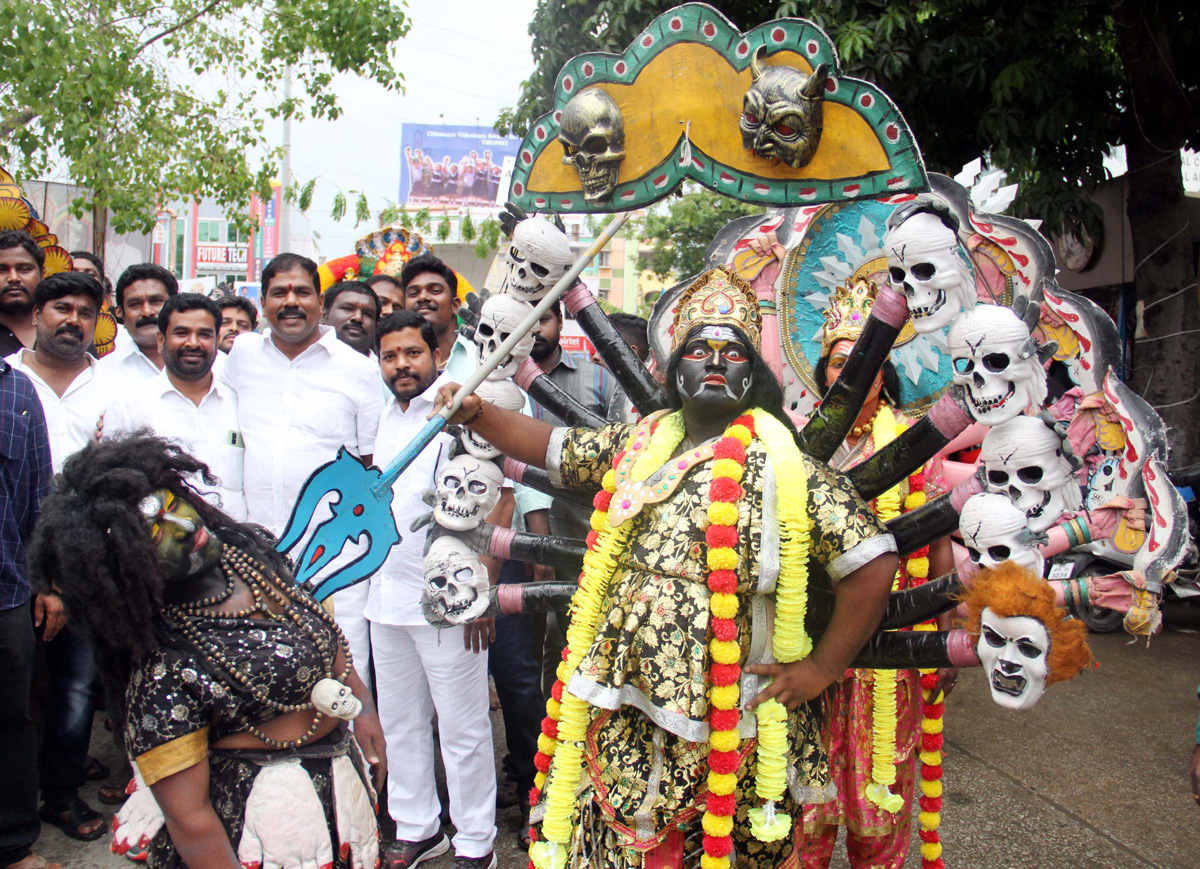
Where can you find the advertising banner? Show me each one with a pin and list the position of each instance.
(447, 166)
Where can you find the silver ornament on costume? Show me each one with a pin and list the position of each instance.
(994, 531)
(1026, 460)
(592, 133)
(456, 583)
(1014, 651)
(927, 263)
(538, 255)
(499, 317)
(502, 393)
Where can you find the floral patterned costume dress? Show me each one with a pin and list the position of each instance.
(645, 677)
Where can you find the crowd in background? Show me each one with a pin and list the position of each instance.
(263, 399)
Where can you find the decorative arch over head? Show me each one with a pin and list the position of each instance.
(678, 92)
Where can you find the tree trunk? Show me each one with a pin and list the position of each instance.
(99, 229)
(1166, 364)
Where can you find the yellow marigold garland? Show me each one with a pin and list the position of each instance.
(565, 725)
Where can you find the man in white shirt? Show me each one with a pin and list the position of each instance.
(65, 306)
(353, 310)
(141, 292)
(302, 395)
(420, 672)
(186, 403)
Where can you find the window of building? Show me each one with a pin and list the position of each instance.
(604, 258)
(208, 231)
(235, 236)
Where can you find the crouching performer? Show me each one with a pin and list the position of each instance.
(235, 689)
(682, 724)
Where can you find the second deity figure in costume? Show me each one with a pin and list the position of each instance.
(683, 717)
(873, 717)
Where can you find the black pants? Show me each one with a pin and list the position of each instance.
(18, 741)
(515, 670)
(74, 685)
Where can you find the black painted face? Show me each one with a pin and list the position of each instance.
(715, 372)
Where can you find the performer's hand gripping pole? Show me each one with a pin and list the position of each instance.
(435, 425)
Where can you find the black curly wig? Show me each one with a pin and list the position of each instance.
(92, 545)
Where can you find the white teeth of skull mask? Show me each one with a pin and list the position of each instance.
(1014, 650)
(592, 134)
(467, 490)
(538, 256)
(1024, 459)
(994, 531)
(927, 264)
(996, 360)
(502, 393)
(456, 582)
(500, 316)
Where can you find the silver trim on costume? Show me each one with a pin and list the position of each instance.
(643, 818)
(554, 451)
(807, 793)
(856, 557)
(607, 697)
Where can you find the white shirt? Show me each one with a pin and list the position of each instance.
(208, 431)
(127, 366)
(71, 419)
(296, 413)
(394, 597)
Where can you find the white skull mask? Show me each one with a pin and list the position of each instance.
(1102, 483)
(996, 359)
(1024, 459)
(538, 256)
(336, 700)
(498, 319)
(467, 490)
(994, 531)
(927, 264)
(502, 393)
(1014, 651)
(456, 583)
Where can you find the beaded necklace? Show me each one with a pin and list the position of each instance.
(236, 563)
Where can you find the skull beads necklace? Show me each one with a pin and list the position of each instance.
(236, 563)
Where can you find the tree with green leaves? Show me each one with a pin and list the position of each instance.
(1044, 89)
(144, 103)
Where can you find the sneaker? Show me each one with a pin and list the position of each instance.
(405, 855)
(488, 861)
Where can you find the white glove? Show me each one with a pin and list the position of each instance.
(357, 830)
(138, 820)
(285, 824)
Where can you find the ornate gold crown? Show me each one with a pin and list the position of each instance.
(847, 314)
(718, 297)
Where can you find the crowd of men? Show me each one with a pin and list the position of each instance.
(263, 405)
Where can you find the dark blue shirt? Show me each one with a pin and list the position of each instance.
(25, 475)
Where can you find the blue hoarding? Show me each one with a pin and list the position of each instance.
(452, 166)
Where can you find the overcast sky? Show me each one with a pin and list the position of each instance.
(463, 61)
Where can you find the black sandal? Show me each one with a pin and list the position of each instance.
(112, 795)
(94, 770)
(78, 814)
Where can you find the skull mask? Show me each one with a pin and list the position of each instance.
(1014, 650)
(456, 583)
(537, 257)
(592, 133)
(996, 359)
(994, 531)
(502, 393)
(498, 319)
(1102, 483)
(927, 264)
(1025, 459)
(782, 116)
(467, 490)
(336, 700)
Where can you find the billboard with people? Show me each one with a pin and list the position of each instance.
(446, 166)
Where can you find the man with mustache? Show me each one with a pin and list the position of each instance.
(238, 316)
(141, 292)
(186, 403)
(419, 671)
(353, 309)
(73, 394)
(389, 291)
(431, 289)
(21, 263)
(302, 396)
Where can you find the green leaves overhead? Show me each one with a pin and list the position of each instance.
(148, 101)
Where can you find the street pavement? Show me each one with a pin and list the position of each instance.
(1094, 777)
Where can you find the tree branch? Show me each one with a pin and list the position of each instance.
(184, 23)
(15, 121)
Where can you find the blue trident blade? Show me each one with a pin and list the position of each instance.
(342, 528)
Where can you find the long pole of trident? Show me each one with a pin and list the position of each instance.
(435, 425)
